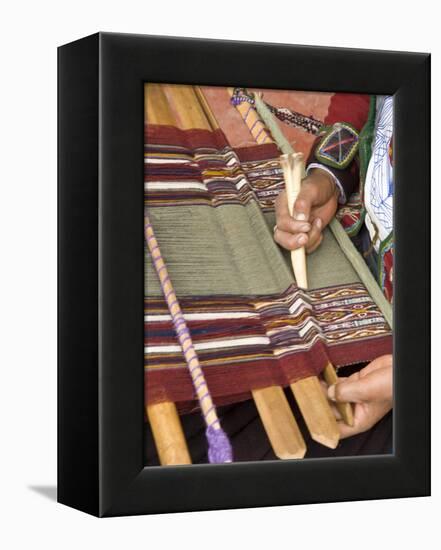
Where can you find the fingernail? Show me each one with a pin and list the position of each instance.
(302, 239)
(318, 223)
(331, 392)
(305, 227)
(299, 216)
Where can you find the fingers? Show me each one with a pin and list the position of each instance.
(349, 431)
(358, 428)
(304, 202)
(365, 417)
(315, 236)
(285, 222)
(374, 386)
(299, 230)
(302, 211)
(290, 233)
(290, 241)
(290, 225)
(334, 409)
(281, 205)
(384, 361)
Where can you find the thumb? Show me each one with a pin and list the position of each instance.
(375, 386)
(303, 203)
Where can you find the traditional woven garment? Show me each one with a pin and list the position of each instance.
(212, 208)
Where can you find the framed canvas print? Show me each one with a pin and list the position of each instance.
(243, 274)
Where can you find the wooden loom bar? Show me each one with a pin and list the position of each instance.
(168, 434)
(280, 425)
(317, 413)
(187, 108)
(193, 111)
(156, 105)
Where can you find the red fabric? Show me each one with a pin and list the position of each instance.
(257, 152)
(176, 385)
(197, 138)
(350, 108)
(190, 139)
(388, 278)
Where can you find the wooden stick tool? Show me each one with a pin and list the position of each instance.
(309, 395)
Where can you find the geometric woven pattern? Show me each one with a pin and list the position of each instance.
(338, 146)
(260, 340)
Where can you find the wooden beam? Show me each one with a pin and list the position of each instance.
(156, 108)
(185, 104)
(206, 108)
(317, 413)
(168, 434)
(281, 428)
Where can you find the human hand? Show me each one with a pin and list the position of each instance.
(371, 389)
(313, 209)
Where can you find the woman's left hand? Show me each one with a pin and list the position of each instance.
(371, 389)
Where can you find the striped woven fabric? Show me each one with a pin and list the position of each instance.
(246, 342)
(201, 168)
(212, 210)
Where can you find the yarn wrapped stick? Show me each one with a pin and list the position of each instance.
(219, 447)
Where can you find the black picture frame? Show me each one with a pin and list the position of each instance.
(101, 274)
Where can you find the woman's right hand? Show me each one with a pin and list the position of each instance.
(314, 208)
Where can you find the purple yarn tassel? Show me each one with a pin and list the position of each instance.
(219, 446)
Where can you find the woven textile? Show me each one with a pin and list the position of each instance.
(246, 342)
(212, 210)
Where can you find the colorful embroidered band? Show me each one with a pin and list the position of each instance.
(219, 447)
(338, 146)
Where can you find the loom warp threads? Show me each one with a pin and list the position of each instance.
(219, 446)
